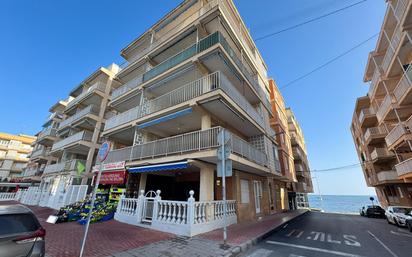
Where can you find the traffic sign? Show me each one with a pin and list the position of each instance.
(228, 150)
(103, 151)
(223, 136)
(228, 166)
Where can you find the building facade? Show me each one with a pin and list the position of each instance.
(14, 154)
(381, 124)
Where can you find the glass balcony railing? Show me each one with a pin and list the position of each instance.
(189, 52)
(211, 82)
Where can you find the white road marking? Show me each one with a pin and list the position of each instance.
(260, 253)
(400, 234)
(291, 233)
(330, 240)
(351, 240)
(294, 255)
(384, 246)
(314, 249)
(300, 233)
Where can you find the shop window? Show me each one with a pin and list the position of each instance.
(244, 191)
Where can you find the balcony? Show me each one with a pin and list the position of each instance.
(41, 152)
(204, 141)
(384, 108)
(404, 169)
(374, 83)
(299, 167)
(396, 134)
(96, 87)
(32, 171)
(65, 166)
(190, 91)
(400, 9)
(301, 187)
(367, 116)
(202, 45)
(47, 136)
(79, 142)
(381, 154)
(89, 111)
(391, 50)
(402, 91)
(387, 176)
(375, 134)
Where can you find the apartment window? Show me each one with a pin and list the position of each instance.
(244, 191)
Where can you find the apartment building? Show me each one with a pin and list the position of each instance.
(14, 152)
(303, 184)
(71, 137)
(381, 124)
(193, 74)
(40, 156)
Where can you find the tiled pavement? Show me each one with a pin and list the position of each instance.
(112, 238)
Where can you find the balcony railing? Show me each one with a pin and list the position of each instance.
(404, 84)
(397, 132)
(214, 81)
(384, 107)
(80, 136)
(186, 143)
(387, 175)
(366, 112)
(189, 52)
(374, 83)
(396, 38)
(70, 165)
(375, 131)
(100, 86)
(380, 153)
(39, 152)
(404, 167)
(91, 109)
(400, 9)
(47, 132)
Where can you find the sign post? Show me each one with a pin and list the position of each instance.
(222, 170)
(101, 156)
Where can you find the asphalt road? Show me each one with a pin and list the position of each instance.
(328, 235)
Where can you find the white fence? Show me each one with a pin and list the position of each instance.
(7, 197)
(186, 218)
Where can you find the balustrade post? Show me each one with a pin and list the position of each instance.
(156, 206)
(139, 207)
(119, 204)
(191, 209)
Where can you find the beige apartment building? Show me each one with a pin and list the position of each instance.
(382, 121)
(14, 152)
(300, 159)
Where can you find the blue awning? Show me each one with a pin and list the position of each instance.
(165, 118)
(159, 167)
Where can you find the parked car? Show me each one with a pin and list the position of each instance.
(409, 222)
(372, 211)
(398, 215)
(20, 232)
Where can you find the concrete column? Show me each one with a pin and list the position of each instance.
(206, 121)
(142, 182)
(206, 187)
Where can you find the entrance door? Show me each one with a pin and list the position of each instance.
(257, 186)
(148, 204)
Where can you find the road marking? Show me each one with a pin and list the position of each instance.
(294, 255)
(313, 249)
(351, 240)
(260, 253)
(291, 233)
(400, 234)
(384, 246)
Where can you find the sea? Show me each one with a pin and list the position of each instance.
(340, 203)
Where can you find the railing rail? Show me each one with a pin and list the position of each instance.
(42, 151)
(373, 131)
(387, 175)
(380, 152)
(99, 85)
(365, 112)
(374, 83)
(397, 132)
(47, 132)
(384, 107)
(82, 135)
(91, 109)
(404, 84)
(400, 9)
(404, 167)
(7, 196)
(191, 90)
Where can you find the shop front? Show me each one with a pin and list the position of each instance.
(112, 182)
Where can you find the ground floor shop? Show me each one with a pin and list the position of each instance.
(394, 194)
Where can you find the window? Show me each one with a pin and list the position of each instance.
(17, 223)
(244, 191)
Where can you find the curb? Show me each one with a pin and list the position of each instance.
(236, 250)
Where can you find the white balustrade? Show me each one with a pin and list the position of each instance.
(375, 131)
(100, 86)
(404, 167)
(82, 135)
(91, 109)
(397, 132)
(384, 107)
(7, 196)
(387, 175)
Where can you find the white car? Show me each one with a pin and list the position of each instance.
(398, 215)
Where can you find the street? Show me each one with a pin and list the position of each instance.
(325, 234)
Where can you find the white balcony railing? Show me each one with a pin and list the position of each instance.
(400, 9)
(100, 86)
(185, 143)
(404, 167)
(397, 132)
(404, 84)
(384, 176)
(91, 109)
(374, 83)
(384, 108)
(47, 132)
(375, 131)
(42, 151)
(365, 112)
(211, 82)
(80, 136)
(70, 165)
(390, 52)
(53, 168)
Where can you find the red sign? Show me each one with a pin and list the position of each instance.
(110, 166)
(113, 177)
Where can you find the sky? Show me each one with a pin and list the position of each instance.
(48, 47)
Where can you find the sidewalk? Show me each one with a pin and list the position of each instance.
(112, 238)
